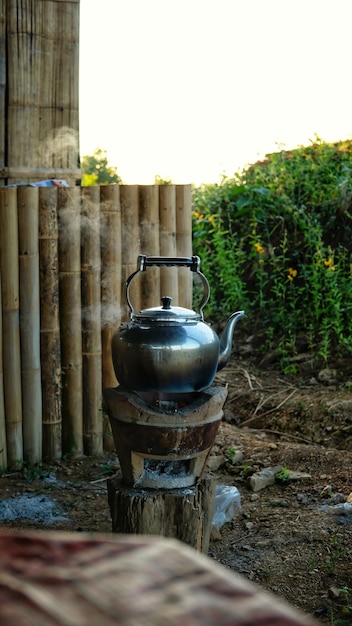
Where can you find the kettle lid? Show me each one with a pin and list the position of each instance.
(167, 313)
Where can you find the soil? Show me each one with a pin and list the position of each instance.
(292, 537)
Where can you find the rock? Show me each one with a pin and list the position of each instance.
(215, 461)
(280, 504)
(299, 475)
(236, 458)
(313, 381)
(302, 498)
(264, 478)
(344, 509)
(338, 498)
(334, 592)
(231, 418)
(327, 376)
(340, 405)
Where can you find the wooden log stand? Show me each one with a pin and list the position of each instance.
(183, 514)
(174, 499)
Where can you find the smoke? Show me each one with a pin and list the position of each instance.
(105, 315)
(60, 149)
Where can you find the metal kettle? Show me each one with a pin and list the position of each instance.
(170, 350)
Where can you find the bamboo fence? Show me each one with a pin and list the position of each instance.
(65, 255)
(39, 95)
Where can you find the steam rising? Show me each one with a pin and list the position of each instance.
(105, 315)
(60, 149)
(80, 224)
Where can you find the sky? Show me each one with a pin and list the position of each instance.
(194, 90)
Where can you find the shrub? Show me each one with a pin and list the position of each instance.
(276, 240)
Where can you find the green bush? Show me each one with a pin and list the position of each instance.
(97, 171)
(276, 240)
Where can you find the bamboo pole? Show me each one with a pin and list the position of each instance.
(58, 107)
(167, 237)
(10, 327)
(28, 214)
(23, 52)
(42, 50)
(50, 323)
(111, 266)
(3, 44)
(149, 237)
(3, 451)
(70, 318)
(130, 245)
(91, 321)
(184, 240)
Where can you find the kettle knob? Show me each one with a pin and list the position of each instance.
(166, 300)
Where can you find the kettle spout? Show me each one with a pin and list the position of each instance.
(226, 339)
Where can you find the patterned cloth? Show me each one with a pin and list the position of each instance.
(70, 579)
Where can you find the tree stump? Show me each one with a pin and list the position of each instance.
(185, 514)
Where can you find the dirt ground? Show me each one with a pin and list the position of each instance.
(292, 537)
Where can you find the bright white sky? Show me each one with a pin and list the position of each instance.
(193, 89)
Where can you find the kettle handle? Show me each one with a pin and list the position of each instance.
(163, 261)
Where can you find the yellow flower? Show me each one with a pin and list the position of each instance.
(291, 273)
(211, 219)
(197, 215)
(259, 248)
(329, 265)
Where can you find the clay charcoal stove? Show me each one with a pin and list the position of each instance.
(164, 449)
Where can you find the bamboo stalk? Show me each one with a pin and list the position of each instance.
(28, 213)
(70, 318)
(3, 44)
(111, 267)
(58, 108)
(167, 240)
(149, 238)
(3, 451)
(23, 126)
(91, 321)
(10, 327)
(130, 245)
(184, 240)
(42, 51)
(50, 323)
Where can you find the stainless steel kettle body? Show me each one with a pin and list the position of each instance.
(168, 350)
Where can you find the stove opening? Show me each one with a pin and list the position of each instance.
(167, 468)
(165, 474)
